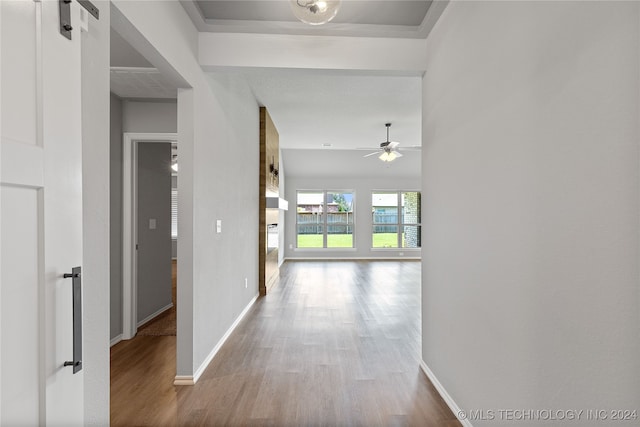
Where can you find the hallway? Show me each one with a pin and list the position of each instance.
(334, 343)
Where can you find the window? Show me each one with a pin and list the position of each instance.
(174, 190)
(396, 219)
(324, 219)
(174, 213)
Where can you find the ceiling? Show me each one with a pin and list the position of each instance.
(373, 18)
(347, 163)
(318, 111)
(339, 110)
(397, 12)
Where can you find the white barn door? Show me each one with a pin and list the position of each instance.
(40, 213)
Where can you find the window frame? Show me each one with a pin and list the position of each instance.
(400, 222)
(325, 220)
(174, 214)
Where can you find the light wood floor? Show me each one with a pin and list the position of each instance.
(333, 344)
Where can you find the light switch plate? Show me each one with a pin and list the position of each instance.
(152, 223)
(218, 226)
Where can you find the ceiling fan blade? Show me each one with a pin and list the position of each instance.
(414, 148)
(365, 148)
(371, 154)
(398, 154)
(393, 144)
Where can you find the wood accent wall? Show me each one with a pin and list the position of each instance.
(269, 183)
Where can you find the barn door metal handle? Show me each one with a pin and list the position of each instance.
(76, 275)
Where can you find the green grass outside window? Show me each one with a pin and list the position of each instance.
(380, 240)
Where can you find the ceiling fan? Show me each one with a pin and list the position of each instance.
(389, 150)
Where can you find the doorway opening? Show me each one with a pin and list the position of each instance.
(149, 254)
(161, 322)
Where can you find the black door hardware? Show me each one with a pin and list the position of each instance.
(65, 15)
(76, 275)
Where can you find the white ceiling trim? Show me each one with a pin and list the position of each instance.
(311, 52)
(299, 28)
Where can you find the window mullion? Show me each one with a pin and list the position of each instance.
(400, 221)
(325, 214)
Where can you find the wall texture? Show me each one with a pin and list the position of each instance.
(530, 205)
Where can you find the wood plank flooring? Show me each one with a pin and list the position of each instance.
(165, 323)
(333, 344)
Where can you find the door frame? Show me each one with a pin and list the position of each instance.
(130, 141)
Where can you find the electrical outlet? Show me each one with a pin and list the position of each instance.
(290, 245)
(400, 253)
(246, 283)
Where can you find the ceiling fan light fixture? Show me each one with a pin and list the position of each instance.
(315, 12)
(387, 156)
(388, 150)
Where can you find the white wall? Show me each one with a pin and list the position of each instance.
(95, 216)
(123, 55)
(530, 191)
(150, 116)
(219, 148)
(362, 187)
(226, 189)
(115, 216)
(390, 55)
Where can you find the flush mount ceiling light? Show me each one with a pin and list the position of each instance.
(315, 12)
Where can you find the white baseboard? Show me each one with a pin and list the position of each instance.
(191, 380)
(115, 340)
(183, 380)
(154, 315)
(445, 395)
